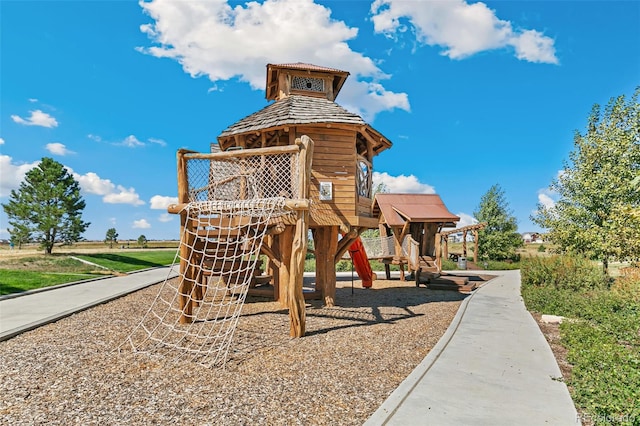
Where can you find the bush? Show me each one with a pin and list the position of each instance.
(602, 336)
(562, 273)
(628, 284)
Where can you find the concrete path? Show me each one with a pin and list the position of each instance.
(492, 367)
(26, 311)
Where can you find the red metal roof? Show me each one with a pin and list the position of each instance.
(304, 66)
(399, 208)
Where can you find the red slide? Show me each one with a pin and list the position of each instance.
(361, 263)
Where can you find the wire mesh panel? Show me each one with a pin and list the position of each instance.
(379, 247)
(243, 178)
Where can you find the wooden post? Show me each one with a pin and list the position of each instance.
(297, 314)
(445, 250)
(464, 243)
(326, 252)
(475, 246)
(186, 242)
(285, 240)
(438, 250)
(295, 296)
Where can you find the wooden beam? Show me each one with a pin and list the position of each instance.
(303, 204)
(186, 241)
(273, 257)
(345, 243)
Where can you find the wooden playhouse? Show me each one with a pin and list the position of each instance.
(422, 217)
(340, 188)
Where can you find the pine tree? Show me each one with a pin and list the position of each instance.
(111, 237)
(47, 205)
(499, 239)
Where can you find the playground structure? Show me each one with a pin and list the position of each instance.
(413, 222)
(340, 190)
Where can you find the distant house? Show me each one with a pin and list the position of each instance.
(532, 238)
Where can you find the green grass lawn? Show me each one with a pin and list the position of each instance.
(130, 261)
(28, 273)
(15, 281)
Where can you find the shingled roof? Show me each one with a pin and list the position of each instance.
(293, 110)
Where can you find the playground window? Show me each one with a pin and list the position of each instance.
(308, 83)
(363, 178)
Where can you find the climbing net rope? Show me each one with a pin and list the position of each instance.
(233, 203)
(194, 316)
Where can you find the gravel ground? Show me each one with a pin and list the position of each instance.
(353, 357)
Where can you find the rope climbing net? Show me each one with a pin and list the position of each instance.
(233, 202)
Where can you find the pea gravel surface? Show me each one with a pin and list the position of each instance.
(353, 356)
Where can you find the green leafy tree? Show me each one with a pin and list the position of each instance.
(111, 237)
(48, 204)
(598, 190)
(499, 239)
(142, 241)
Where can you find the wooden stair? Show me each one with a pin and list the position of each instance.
(427, 270)
(452, 283)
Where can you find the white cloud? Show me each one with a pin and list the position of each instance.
(533, 46)
(460, 28)
(165, 217)
(57, 148)
(465, 220)
(37, 118)
(12, 174)
(402, 184)
(141, 224)
(544, 198)
(222, 42)
(111, 193)
(123, 195)
(131, 142)
(1, 141)
(159, 202)
(157, 141)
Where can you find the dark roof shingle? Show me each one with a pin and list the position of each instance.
(293, 110)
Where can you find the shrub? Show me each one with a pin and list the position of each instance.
(628, 284)
(562, 273)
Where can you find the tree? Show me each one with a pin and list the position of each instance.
(598, 190)
(111, 237)
(48, 204)
(499, 239)
(142, 241)
(19, 234)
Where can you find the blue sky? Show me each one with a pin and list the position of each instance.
(470, 94)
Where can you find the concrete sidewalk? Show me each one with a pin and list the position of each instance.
(492, 367)
(20, 313)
